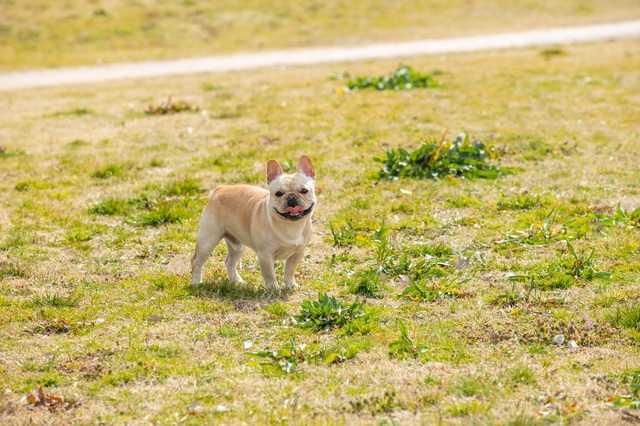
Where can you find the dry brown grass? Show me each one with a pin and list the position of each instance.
(39, 33)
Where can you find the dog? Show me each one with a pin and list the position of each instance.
(275, 223)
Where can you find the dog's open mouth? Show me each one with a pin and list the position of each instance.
(295, 213)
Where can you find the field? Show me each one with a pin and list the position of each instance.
(507, 296)
(43, 33)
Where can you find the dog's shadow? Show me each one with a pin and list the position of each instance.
(241, 296)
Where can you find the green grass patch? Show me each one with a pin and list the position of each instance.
(278, 310)
(626, 315)
(345, 235)
(620, 217)
(112, 206)
(471, 386)
(55, 299)
(520, 375)
(428, 291)
(405, 346)
(328, 312)
(435, 159)
(112, 170)
(522, 201)
(403, 78)
(163, 213)
(631, 399)
(467, 408)
(4, 153)
(78, 112)
(289, 356)
(13, 268)
(547, 231)
(183, 187)
(368, 283)
(32, 184)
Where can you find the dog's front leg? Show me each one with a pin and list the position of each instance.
(268, 270)
(290, 268)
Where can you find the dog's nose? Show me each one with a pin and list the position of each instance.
(292, 200)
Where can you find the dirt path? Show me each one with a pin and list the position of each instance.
(546, 37)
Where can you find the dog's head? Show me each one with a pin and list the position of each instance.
(292, 196)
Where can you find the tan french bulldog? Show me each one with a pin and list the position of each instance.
(276, 223)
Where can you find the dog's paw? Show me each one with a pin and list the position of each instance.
(273, 286)
(291, 285)
(237, 280)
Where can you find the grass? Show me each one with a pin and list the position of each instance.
(404, 78)
(441, 159)
(328, 312)
(170, 107)
(95, 301)
(39, 33)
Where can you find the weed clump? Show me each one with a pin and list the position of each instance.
(55, 300)
(328, 312)
(574, 228)
(112, 170)
(631, 399)
(287, 358)
(583, 331)
(344, 235)
(626, 316)
(6, 154)
(436, 159)
(163, 213)
(144, 211)
(185, 187)
(547, 232)
(560, 275)
(169, 107)
(404, 78)
(620, 217)
(523, 201)
(28, 185)
(427, 292)
(79, 112)
(405, 346)
(13, 269)
(375, 404)
(111, 207)
(55, 326)
(368, 283)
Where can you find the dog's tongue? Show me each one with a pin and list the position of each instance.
(294, 210)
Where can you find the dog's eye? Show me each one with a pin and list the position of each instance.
(304, 190)
(278, 194)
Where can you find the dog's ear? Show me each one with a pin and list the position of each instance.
(274, 169)
(305, 166)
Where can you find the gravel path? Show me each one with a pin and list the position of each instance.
(546, 37)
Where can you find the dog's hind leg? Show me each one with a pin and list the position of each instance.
(234, 253)
(208, 238)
